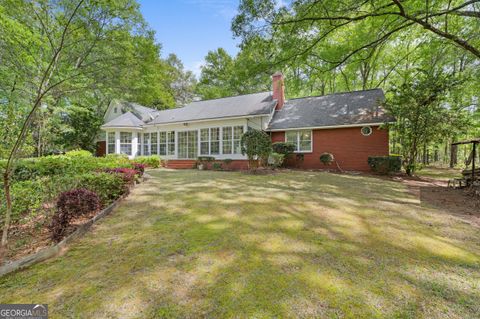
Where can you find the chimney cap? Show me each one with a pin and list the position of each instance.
(278, 73)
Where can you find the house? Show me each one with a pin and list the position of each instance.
(348, 125)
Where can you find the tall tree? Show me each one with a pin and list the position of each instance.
(51, 51)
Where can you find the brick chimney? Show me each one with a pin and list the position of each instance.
(278, 89)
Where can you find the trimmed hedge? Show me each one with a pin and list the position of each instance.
(385, 164)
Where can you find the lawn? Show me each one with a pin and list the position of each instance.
(439, 173)
(190, 244)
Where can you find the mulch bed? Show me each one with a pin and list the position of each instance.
(34, 235)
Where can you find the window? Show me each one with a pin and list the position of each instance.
(146, 144)
(154, 143)
(204, 141)
(227, 140)
(162, 142)
(187, 144)
(126, 143)
(111, 143)
(210, 141)
(237, 137)
(171, 143)
(301, 139)
(115, 110)
(366, 130)
(215, 141)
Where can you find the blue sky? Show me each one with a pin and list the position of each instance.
(191, 28)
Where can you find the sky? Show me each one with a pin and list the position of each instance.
(191, 28)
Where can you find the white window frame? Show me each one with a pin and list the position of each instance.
(209, 140)
(297, 142)
(122, 143)
(111, 141)
(154, 146)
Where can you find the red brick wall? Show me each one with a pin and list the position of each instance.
(349, 147)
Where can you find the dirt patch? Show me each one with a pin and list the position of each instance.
(436, 193)
(31, 237)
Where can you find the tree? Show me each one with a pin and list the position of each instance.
(419, 105)
(314, 23)
(257, 145)
(182, 83)
(51, 51)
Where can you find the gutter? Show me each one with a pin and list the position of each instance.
(327, 127)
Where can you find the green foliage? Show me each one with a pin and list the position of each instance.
(283, 148)
(78, 153)
(419, 106)
(217, 166)
(152, 161)
(326, 158)
(385, 164)
(276, 159)
(107, 186)
(257, 145)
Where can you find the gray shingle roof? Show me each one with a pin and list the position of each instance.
(144, 113)
(125, 120)
(350, 108)
(242, 105)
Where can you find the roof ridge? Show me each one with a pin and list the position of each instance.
(336, 93)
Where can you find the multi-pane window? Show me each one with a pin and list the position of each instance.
(227, 140)
(215, 141)
(301, 139)
(231, 139)
(210, 141)
(111, 142)
(162, 143)
(237, 137)
(171, 143)
(187, 144)
(146, 144)
(126, 143)
(154, 143)
(205, 141)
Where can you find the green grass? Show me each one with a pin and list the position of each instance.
(189, 244)
(440, 173)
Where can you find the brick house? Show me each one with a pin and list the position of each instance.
(348, 125)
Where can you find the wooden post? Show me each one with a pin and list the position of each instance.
(474, 155)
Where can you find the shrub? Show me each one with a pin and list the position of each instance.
(150, 161)
(27, 198)
(108, 187)
(276, 159)
(140, 168)
(327, 158)
(257, 145)
(127, 174)
(78, 153)
(217, 166)
(283, 148)
(70, 204)
(385, 164)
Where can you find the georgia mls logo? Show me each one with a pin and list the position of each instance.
(23, 311)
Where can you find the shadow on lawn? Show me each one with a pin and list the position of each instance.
(206, 244)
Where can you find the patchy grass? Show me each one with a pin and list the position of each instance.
(440, 173)
(294, 244)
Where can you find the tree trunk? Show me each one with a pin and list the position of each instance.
(453, 156)
(8, 214)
